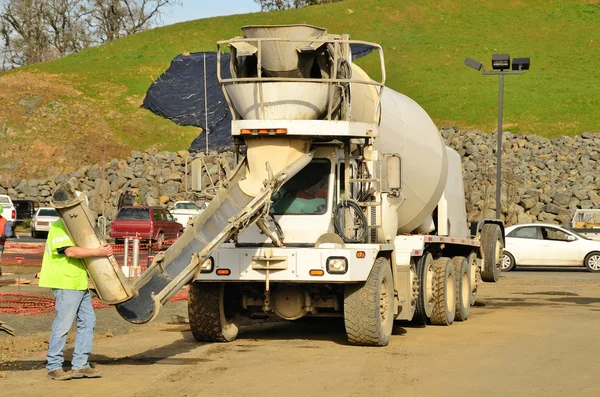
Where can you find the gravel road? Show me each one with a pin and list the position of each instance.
(534, 333)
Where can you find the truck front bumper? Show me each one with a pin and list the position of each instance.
(291, 264)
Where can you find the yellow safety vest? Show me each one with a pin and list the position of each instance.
(59, 270)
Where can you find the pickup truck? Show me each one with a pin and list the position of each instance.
(183, 211)
(586, 223)
(9, 212)
(154, 224)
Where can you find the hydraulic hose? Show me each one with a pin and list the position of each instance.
(337, 221)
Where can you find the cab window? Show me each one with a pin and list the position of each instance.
(306, 192)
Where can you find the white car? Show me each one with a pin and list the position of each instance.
(9, 211)
(539, 244)
(42, 220)
(184, 211)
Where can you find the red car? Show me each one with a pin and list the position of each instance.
(149, 223)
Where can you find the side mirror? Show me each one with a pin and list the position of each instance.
(571, 238)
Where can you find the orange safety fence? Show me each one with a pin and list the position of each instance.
(20, 254)
(32, 304)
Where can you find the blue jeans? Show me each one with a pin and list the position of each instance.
(71, 304)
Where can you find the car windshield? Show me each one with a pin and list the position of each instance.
(306, 192)
(186, 206)
(133, 214)
(48, 212)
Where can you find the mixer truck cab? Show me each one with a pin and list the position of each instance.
(345, 202)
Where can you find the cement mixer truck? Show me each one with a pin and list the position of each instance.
(345, 202)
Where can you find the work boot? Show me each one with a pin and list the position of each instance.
(59, 374)
(86, 373)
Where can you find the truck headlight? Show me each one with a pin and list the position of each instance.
(207, 266)
(337, 265)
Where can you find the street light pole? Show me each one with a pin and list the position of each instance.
(499, 136)
(501, 62)
(499, 147)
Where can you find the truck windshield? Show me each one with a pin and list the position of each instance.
(48, 212)
(133, 214)
(186, 206)
(306, 192)
(4, 200)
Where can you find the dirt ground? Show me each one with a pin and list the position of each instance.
(535, 333)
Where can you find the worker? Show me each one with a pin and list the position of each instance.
(5, 231)
(64, 272)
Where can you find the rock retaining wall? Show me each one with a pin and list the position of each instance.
(543, 180)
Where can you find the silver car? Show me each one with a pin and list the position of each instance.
(42, 220)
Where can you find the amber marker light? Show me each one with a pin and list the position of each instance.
(360, 254)
(316, 272)
(223, 272)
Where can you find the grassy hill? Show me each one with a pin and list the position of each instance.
(85, 107)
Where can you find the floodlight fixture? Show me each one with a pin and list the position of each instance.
(473, 63)
(500, 61)
(521, 63)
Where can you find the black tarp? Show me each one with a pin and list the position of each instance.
(178, 95)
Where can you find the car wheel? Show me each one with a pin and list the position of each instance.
(592, 262)
(508, 262)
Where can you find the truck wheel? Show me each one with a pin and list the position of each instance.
(444, 292)
(508, 262)
(592, 262)
(492, 245)
(369, 307)
(212, 312)
(463, 290)
(475, 275)
(425, 299)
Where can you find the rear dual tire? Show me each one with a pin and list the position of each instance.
(492, 245)
(444, 292)
(463, 287)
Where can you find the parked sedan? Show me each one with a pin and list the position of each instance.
(42, 220)
(548, 245)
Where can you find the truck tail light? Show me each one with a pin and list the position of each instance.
(14, 214)
(264, 131)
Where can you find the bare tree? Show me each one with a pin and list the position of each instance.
(277, 5)
(66, 25)
(112, 19)
(24, 32)
(34, 31)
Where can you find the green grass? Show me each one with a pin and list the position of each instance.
(425, 44)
